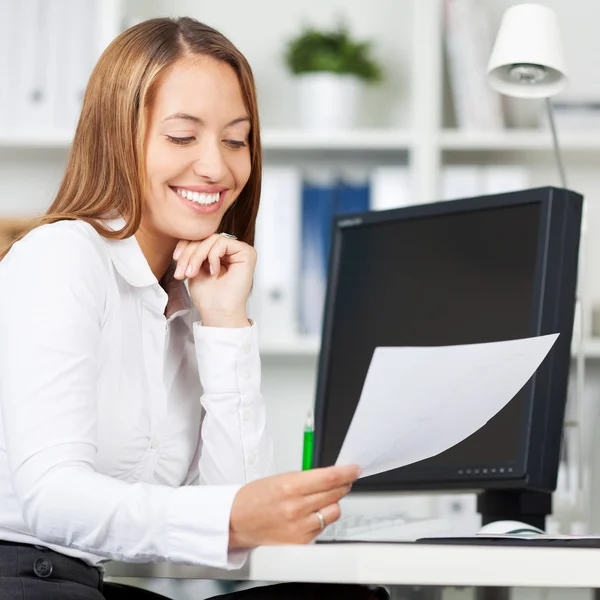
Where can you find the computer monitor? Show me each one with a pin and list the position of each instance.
(467, 271)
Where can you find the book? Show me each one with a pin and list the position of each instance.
(318, 208)
(468, 43)
(274, 298)
(352, 192)
(5, 47)
(390, 187)
(79, 56)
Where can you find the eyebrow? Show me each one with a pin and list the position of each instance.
(187, 117)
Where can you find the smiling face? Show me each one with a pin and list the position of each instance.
(197, 150)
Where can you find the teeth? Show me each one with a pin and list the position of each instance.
(204, 199)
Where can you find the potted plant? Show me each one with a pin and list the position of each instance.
(331, 69)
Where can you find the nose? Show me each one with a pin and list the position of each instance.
(210, 162)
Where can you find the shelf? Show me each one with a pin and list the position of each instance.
(591, 349)
(272, 139)
(356, 139)
(307, 346)
(364, 140)
(58, 140)
(517, 140)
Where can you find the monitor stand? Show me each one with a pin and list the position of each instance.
(511, 505)
(515, 505)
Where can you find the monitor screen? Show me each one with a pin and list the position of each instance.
(455, 277)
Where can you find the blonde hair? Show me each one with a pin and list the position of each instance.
(105, 172)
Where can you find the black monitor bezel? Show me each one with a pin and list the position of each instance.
(556, 273)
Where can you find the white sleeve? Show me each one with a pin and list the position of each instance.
(236, 447)
(53, 289)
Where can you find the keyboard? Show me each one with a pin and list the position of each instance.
(382, 528)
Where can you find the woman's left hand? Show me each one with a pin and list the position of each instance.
(220, 272)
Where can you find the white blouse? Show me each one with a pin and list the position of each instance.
(126, 429)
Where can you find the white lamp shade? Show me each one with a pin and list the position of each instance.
(529, 35)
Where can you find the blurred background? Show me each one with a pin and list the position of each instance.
(364, 106)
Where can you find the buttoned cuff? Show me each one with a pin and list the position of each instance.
(228, 358)
(198, 527)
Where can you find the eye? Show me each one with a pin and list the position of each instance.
(235, 144)
(181, 141)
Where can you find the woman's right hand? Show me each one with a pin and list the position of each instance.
(281, 509)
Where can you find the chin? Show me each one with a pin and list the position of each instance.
(194, 232)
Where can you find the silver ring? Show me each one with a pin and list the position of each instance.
(229, 236)
(321, 518)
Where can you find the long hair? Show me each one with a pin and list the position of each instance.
(105, 173)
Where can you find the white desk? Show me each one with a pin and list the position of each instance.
(399, 564)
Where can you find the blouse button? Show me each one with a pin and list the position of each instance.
(246, 415)
(155, 442)
(246, 348)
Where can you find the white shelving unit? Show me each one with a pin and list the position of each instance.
(424, 144)
(365, 140)
(360, 139)
(517, 140)
(52, 140)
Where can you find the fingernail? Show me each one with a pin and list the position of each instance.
(210, 268)
(177, 253)
(178, 272)
(189, 271)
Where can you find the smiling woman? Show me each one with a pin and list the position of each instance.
(132, 426)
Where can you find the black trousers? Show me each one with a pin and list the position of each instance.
(36, 573)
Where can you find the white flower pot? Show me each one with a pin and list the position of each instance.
(328, 101)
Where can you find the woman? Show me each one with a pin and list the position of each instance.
(132, 422)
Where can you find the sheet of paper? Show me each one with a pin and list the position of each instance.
(418, 402)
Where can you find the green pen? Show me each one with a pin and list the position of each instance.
(307, 448)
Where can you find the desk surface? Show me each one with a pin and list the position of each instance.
(399, 564)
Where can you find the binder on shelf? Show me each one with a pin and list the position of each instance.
(464, 181)
(29, 103)
(497, 179)
(468, 45)
(5, 86)
(80, 49)
(353, 192)
(318, 208)
(460, 181)
(274, 299)
(390, 188)
(47, 52)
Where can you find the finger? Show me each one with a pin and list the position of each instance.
(223, 247)
(316, 501)
(181, 246)
(183, 260)
(331, 514)
(193, 256)
(327, 478)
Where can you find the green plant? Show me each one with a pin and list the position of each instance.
(333, 51)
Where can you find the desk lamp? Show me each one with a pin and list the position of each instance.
(527, 62)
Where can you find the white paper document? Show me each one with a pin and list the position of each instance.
(418, 402)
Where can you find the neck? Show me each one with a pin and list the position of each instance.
(157, 248)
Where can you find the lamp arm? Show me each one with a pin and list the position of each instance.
(557, 154)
